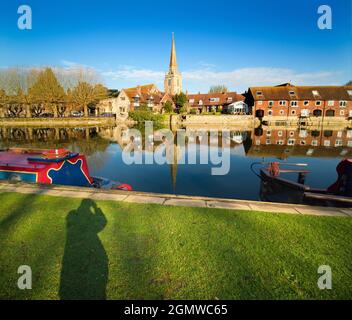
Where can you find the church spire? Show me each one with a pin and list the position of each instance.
(173, 62)
(173, 79)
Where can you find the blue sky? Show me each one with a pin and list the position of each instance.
(237, 43)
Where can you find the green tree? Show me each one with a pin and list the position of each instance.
(85, 94)
(168, 107)
(349, 83)
(48, 90)
(218, 89)
(180, 100)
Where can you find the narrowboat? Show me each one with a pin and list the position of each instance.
(54, 166)
(277, 187)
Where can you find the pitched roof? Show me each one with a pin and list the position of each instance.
(222, 98)
(139, 90)
(290, 92)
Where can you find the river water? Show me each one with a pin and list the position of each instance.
(320, 148)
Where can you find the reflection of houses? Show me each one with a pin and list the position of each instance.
(226, 101)
(284, 152)
(287, 102)
(302, 137)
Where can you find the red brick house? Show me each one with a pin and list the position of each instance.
(287, 102)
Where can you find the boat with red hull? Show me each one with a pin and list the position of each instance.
(54, 166)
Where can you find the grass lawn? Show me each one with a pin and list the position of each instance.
(115, 250)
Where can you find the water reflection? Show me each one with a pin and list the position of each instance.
(321, 148)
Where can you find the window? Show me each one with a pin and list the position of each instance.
(339, 134)
(279, 133)
(268, 141)
(342, 112)
(338, 143)
(330, 113)
(315, 93)
(293, 112)
(268, 133)
(326, 143)
(294, 103)
(306, 103)
(303, 133)
(260, 102)
(123, 98)
(280, 142)
(200, 102)
(317, 113)
(229, 99)
(282, 112)
(271, 103)
(305, 113)
(292, 93)
(259, 93)
(302, 142)
(292, 133)
(314, 143)
(191, 101)
(343, 103)
(270, 113)
(282, 103)
(349, 143)
(328, 133)
(257, 142)
(291, 142)
(349, 92)
(331, 103)
(214, 99)
(318, 103)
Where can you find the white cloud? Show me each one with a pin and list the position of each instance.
(133, 73)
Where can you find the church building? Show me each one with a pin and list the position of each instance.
(173, 79)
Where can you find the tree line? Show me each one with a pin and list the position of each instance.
(32, 92)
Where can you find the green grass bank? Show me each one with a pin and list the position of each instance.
(102, 249)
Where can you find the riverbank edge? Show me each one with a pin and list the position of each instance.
(171, 200)
(67, 122)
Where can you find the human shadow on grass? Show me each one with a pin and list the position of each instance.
(84, 272)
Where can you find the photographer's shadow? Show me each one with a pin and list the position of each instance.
(84, 272)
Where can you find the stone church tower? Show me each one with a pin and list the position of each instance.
(173, 79)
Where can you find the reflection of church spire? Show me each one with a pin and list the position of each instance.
(173, 167)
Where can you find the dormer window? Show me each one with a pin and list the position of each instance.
(229, 99)
(315, 93)
(191, 101)
(349, 92)
(259, 93)
(214, 99)
(292, 93)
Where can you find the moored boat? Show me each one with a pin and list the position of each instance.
(54, 166)
(275, 187)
